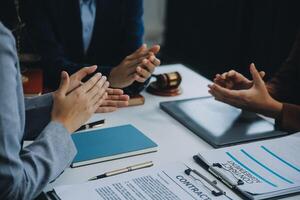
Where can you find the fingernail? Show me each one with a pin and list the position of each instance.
(62, 75)
(98, 74)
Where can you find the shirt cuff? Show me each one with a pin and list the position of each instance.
(61, 138)
(39, 101)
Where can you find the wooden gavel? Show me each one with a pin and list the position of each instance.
(168, 80)
(166, 84)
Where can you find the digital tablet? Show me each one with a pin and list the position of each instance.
(218, 123)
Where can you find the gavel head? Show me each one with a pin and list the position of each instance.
(168, 80)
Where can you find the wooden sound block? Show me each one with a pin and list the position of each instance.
(136, 100)
(169, 92)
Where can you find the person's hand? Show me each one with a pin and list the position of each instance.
(115, 99)
(256, 98)
(76, 78)
(234, 80)
(75, 108)
(136, 67)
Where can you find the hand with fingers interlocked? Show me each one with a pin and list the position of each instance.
(234, 89)
(138, 66)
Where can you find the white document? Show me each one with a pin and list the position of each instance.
(267, 168)
(170, 183)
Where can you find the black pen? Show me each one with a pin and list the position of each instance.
(123, 170)
(95, 124)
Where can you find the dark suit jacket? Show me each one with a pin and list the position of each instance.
(285, 87)
(57, 29)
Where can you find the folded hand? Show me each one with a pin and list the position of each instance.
(136, 67)
(256, 98)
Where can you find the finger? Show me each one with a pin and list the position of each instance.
(91, 82)
(83, 72)
(142, 51)
(98, 91)
(122, 97)
(224, 92)
(116, 103)
(257, 80)
(223, 76)
(154, 60)
(148, 66)
(262, 74)
(231, 74)
(232, 97)
(218, 80)
(64, 83)
(143, 72)
(105, 109)
(220, 97)
(112, 91)
(155, 49)
(139, 79)
(136, 62)
(99, 102)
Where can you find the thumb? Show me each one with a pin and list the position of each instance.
(142, 48)
(257, 80)
(64, 83)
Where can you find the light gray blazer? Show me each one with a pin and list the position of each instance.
(24, 172)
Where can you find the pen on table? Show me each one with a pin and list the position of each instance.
(95, 124)
(123, 170)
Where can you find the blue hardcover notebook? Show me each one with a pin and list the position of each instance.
(111, 143)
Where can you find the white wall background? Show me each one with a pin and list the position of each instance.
(154, 21)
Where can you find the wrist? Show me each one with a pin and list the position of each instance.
(275, 108)
(64, 125)
(63, 122)
(112, 82)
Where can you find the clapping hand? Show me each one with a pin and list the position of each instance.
(136, 67)
(236, 90)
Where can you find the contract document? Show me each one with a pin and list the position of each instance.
(169, 183)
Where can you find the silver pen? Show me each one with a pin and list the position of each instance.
(123, 170)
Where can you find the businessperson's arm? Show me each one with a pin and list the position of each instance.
(285, 82)
(284, 86)
(37, 112)
(133, 27)
(42, 31)
(44, 100)
(133, 73)
(24, 172)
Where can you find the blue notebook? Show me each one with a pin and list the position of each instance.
(111, 143)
